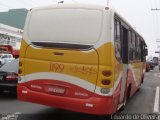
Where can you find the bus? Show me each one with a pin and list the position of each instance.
(80, 57)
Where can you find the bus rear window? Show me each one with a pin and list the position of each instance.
(67, 26)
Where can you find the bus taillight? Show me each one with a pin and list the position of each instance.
(20, 64)
(20, 67)
(20, 71)
(107, 73)
(106, 82)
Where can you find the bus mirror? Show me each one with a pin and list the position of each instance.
(146, 52)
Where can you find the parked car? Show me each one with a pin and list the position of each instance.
(151, 64)
(155, 59)
(9, 76)
(6, 58)
(148, 67)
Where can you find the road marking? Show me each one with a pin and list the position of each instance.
(156, 102)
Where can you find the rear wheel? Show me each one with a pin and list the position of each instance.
(142, 80)
(126, 98)
(124, 104)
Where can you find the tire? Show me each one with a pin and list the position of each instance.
(126, 98)
(142, 80)
(124, 104)
(138, 89)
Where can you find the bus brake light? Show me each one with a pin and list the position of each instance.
(106, 82)
(107, 73)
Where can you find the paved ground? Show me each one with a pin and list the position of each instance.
(143, 101)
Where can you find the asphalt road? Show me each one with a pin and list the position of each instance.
(141, 103)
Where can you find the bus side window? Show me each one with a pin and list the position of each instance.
(142, 50)
(117, 40)
(138, 48)
(130, 46)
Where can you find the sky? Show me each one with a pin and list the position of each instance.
(137, 12)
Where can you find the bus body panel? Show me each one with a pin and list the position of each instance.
(73, 67)
(82, 83)
(82, 70)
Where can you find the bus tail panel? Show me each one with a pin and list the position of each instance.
(61, 70)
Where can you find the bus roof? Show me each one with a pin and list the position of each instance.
(71, 5)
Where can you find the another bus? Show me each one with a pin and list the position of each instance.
(78, 57)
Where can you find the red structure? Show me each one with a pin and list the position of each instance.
(9, 49)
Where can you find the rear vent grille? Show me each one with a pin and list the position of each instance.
(62, 45)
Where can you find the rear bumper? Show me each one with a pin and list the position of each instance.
(93, 105)
(9, 87)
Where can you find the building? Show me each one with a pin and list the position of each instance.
(10, 36)
(11, 27)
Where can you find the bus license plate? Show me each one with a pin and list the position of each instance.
(55, 89)
(1, 78)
